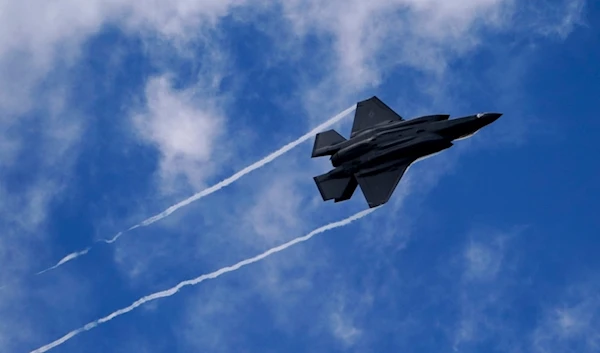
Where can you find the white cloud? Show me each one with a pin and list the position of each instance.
(571, 323)
(277, 202)
(365, 34)
(32, 175)
(482, 289)
(202, 327)
(552, 19)
(367, 37)
(482, 261)
(344, 329)
(346, 310)
(185, 129)
(277, 208)
(494, 290)
(41, 39)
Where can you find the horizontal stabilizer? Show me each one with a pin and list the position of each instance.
(338, 189)
(324, 140)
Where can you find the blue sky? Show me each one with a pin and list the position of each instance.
(111, 112)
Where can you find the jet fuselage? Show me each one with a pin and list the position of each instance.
(380, 147)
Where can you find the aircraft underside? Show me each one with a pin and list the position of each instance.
(381, 148)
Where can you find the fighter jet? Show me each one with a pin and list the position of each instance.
(382, 146)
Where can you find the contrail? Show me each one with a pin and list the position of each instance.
(213, 188)
(192, 282)
(66, 259)
(218, 186)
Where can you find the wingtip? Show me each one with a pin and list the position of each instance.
(372, 98)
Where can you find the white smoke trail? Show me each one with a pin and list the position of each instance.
(239, 174)
(192, 282)
(213, 188)
(67, 258)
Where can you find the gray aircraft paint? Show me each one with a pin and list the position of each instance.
(382, 146)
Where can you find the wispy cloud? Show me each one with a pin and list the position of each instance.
(184, 129)
(197, 280)
(213, 188)
(339, 50)
(571, 321)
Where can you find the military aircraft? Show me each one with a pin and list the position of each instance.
(382, 146)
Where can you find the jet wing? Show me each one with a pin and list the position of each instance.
(371, 112)
(378, 188)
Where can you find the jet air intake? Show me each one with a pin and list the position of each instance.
(351, 152)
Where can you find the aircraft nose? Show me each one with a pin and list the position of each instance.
(489, 118)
